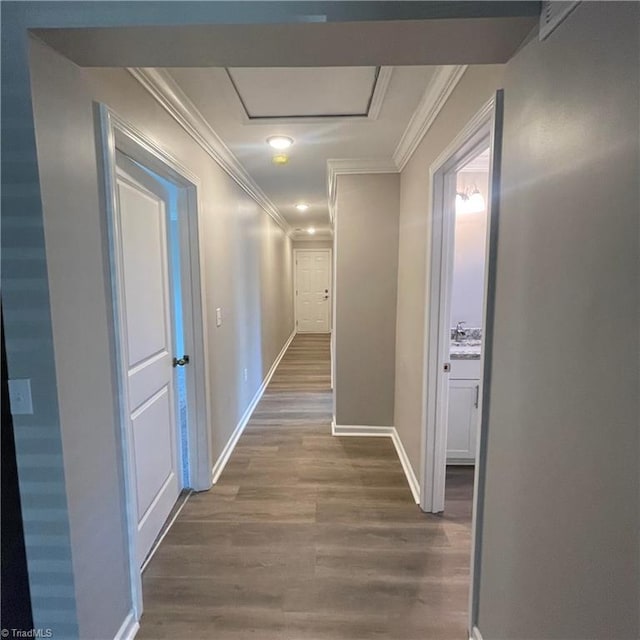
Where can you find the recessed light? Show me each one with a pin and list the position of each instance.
(280, 142)
(302, 206)
(311, 231)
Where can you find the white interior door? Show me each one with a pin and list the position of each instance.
(313, 290)
(146, 349)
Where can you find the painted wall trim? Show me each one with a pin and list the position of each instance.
(360, 431)
(433, 440)
(475, 634)
(379, 92)
(128, 628)
(414, 485)
(436, 94)
(165, 90)
(353, 166)
(223, 458)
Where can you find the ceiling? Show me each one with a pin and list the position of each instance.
(199, 61)
(478, 164)
(330, 112)
(294, 92)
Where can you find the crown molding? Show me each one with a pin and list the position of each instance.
(434, 98)
(353, 166)
(379, 92)
(172, 98)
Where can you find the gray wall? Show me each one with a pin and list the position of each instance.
(560, 541)
(477, 85)
(366, 274)
(247, 269)
(313, 244)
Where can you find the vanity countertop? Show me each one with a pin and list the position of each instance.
(465, 350)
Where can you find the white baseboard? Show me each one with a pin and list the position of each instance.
(385, 432)
(414, 485)
(475, 634)
(128, 628)
(223, 458)
(360, 430)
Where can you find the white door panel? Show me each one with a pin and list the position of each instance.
(313, 291)
(151, 423)
(143, 252)
(146, 378)
(145, 300)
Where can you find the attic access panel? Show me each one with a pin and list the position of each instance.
(308, 92)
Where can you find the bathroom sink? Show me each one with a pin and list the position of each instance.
(467, 349)
(466, 343)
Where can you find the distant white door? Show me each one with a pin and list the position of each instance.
(146, 349)
(313, 290)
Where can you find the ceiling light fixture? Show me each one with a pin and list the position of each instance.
(311, 231)
(469, 201)
(302, 206)
(280, 142)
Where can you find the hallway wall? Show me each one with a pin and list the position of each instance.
(366, 246)
(476, 86)
(313, 244)
(247, 271)
(560, 541)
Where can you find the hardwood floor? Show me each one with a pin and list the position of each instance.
(309, 536)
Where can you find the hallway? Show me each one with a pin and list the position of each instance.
(310, 536)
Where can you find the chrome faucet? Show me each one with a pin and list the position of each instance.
(459, 332)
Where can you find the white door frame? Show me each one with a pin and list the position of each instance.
(484, 128)
(115, 133)
(295, 284)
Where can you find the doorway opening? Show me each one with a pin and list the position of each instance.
(158, 337)
(465, 182)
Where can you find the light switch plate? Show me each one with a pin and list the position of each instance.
(218, 317)
(20, 397)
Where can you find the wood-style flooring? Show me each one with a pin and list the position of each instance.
(310, 537)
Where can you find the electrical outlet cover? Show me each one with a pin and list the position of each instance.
(20, 397)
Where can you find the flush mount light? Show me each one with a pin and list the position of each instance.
(302, 206)
(311, 231)
(280, 142)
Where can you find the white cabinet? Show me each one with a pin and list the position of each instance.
(463, 419)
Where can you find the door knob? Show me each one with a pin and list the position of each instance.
(180, 362)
